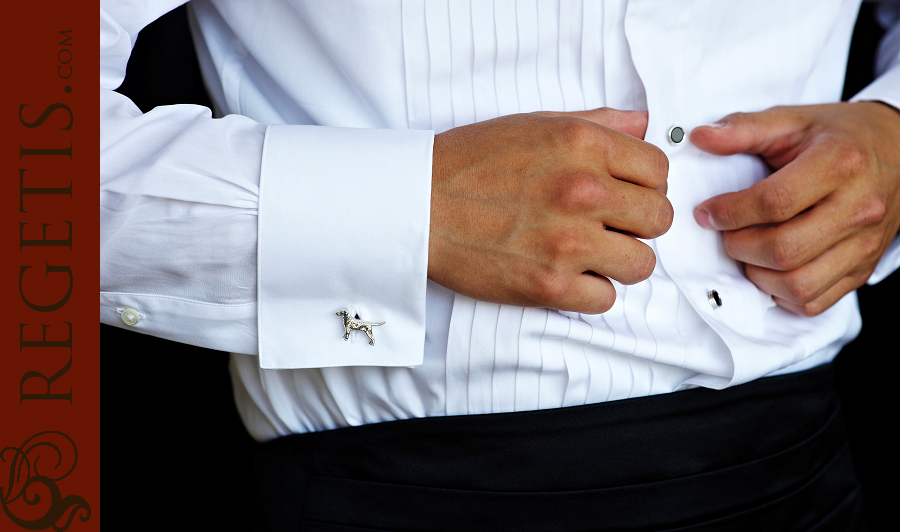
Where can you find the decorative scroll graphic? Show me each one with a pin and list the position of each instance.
(31, 498)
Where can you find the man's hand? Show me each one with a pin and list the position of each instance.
(538, 209)
(816, 228)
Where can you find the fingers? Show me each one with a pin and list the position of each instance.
(637, 210)
(811, 289)
(614, 148)
(522, 206)
(587, 293)
(777, 134)
(648, 215)
(767, 133)
(783, 195)
(826, 300)
(635, 161)
(620, 257)
(806, 283)
(792, 244)
(811, 261)
(632, 123)
(595, 257)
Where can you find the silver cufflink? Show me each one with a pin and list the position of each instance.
(355, 324)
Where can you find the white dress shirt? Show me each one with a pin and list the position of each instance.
(248, 233)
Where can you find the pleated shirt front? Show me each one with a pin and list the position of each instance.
(432, 65)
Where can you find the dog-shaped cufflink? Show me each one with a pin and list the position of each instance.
(353, 324)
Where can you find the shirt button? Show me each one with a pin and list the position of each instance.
(676, 135)
(714, 299)
(130, 316)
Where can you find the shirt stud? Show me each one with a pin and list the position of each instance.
(714, 299)
(355, 324)
(676, 135)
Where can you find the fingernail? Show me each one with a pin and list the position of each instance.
(704, 219)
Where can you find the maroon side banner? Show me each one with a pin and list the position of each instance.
(50, 362)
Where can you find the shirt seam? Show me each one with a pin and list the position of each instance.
(173, 298)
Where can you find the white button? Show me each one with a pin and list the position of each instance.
(714, 299)
(676, 135)
(130, 316)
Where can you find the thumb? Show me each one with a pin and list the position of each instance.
(632, 123)
(768, 133)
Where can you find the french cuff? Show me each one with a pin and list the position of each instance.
(885, 89)
(889, 262)
(343, 225)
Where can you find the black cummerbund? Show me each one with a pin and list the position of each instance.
(771, 455)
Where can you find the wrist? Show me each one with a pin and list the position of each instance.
(878, 105)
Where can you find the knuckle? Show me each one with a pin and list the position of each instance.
(725, 212)
(603, 302)
(738, 118)
(800, 290)
(870, 246)
(567, 243)
(642, 264)
(861, 276)
(852, 160)
(645, 264)
(777, 203)
(576, 135)
(579, 192)
(659, 167)
(731, 245)
(607, 113)
(811, 310)
(786, 252)
(549, 287)
(872, 211)
(664, 216)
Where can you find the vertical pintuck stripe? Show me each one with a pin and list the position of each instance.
(615, 317)
(528, 370)
(600, 384)
(549, 43)
(457, 363)
(620, 370)
(554, 375)
(471, 61)
(506, 356)
(570, 35)
(416, 64)
(526, 62)
(636, 314)
(484, 62)
(507, 38)
(481, 357)
(613, 14)
(579, 371)
(593, 70)
(616, 53)
(463, 59)
(440, 81)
